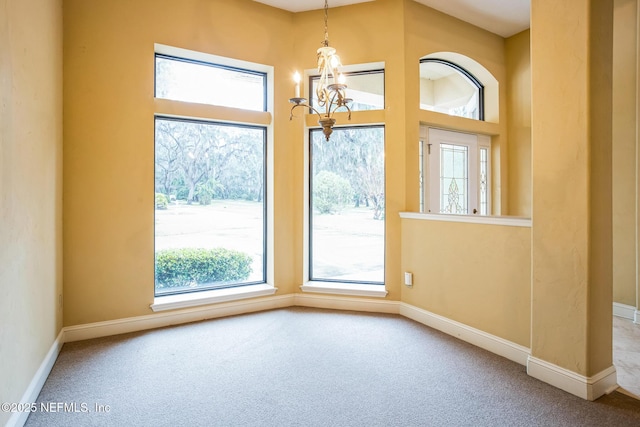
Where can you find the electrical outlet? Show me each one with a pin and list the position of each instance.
(408, 279)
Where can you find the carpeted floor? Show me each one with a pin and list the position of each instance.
(306, 367)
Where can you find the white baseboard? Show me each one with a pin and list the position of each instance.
(231, 308)
(195, 314)
(636, 317)
(589, 388)
(169, 318)
(33, 390)
(492, 343)
(623, 310)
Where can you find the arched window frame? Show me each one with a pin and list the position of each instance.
(473, 79)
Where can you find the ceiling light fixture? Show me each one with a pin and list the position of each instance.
(331, 88)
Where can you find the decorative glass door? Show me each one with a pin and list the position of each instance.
(457, 167)
(454, 179)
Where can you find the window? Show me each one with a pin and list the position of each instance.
(445, 87)
(454, 172)
(189, 80)
(210, 177)
(366, 88)
(210, 210)
(347, 205)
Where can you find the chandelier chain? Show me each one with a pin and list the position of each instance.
(330, 87)
(326, 20)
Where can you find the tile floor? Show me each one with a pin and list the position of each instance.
(626, 354)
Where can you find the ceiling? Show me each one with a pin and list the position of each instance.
(502, 17)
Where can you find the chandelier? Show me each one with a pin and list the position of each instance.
(331, 87)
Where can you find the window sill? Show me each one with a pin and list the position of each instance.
(173, 302)
(513, 221)
(353, 289)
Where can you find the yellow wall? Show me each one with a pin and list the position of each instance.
(109, 134)
(625, 56)
(624, 140)
(30, 189)
(460, 270)
(518, 88)
(107, 218)
(428, 31)
(365, 33)
(475, 274)
(572, 228)
(109, 107)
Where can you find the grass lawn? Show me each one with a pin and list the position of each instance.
(348, 246)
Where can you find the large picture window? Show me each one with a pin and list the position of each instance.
(210, 205)
(211, 173)
(347, 205)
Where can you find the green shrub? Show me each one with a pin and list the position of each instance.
(204, 198)
(182, 193)
(331, 192)
(161, 201)
(205, 192)
(191, 266)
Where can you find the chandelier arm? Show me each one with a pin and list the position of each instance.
(331, 102)
(348, 109)
(339, 95)
(303, 105)
(314, 110)
(337, 107)
(322, 99)
(323, 93)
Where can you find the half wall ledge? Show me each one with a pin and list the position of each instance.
(513, 221)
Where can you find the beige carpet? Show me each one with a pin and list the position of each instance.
(307, 367)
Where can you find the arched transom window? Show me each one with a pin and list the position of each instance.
(448, 88)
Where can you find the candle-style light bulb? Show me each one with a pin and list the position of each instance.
(296, 79)
(342, 79)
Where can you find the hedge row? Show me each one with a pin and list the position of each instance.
(189, 267)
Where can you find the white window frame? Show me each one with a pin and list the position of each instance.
(430, 140)
(195, 111)
(466, 75)
(335, 288)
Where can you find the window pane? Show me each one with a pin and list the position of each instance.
(347, 205)
(204, 83)
(484, 161)
(365, 88)
(454, 179)
(421, 174)
(446, 90)
(210, 210)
